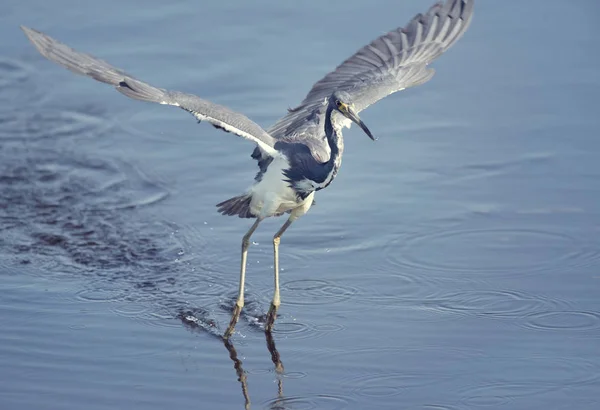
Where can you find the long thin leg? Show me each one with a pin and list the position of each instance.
(276, 299)
(239, 304)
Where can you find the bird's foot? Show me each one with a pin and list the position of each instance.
(234, 319)
(271, 316)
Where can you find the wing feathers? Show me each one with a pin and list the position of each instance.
(388, 64)
(84, 64)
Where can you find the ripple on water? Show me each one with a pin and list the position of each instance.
(131, 309)
(123, 190)
(102, 291)
(297, 330)
(316, 292)
(528, 376)
(563, 321)
(374, 381)
(309, 402)
(384, 287)
(500, 304)
(387, 384)
(484, 251)
(67, 217)
(254, 315)
(299, 292)
(45, 182)
(435, 407)
(208, 285)
(288, 329)
(51, 125)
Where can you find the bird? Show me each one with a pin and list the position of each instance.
(302, 152)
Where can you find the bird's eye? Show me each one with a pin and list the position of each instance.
(338, 103)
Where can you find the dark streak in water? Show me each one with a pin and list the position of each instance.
(78, 216)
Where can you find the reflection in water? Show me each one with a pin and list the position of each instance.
(198, 325)
(276, 358)
(278, 403)
(239, 370)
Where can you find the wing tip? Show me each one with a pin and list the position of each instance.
(28, 30)
(34, 36)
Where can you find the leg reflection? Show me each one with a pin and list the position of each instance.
(276, 358)
(197, 320)
(243, 378)
(241, 374)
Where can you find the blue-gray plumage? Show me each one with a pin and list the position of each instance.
(302, 152)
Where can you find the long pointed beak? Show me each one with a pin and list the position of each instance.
(356, 119)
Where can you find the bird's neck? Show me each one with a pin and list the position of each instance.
(329, 168)
(334, 139)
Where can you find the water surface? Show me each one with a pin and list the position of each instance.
(453, 264)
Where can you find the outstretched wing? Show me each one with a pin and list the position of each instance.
(217, 115)
(393, 62)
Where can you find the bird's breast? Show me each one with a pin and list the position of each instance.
(272, 194)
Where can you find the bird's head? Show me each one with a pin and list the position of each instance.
(342, 102)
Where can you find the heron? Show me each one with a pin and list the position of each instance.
(302, 152)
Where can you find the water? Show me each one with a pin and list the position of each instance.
(453, 264)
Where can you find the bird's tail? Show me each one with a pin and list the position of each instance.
(238, 205)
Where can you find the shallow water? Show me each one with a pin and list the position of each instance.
(454, 263)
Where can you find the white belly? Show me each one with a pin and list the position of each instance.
(273, 195)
